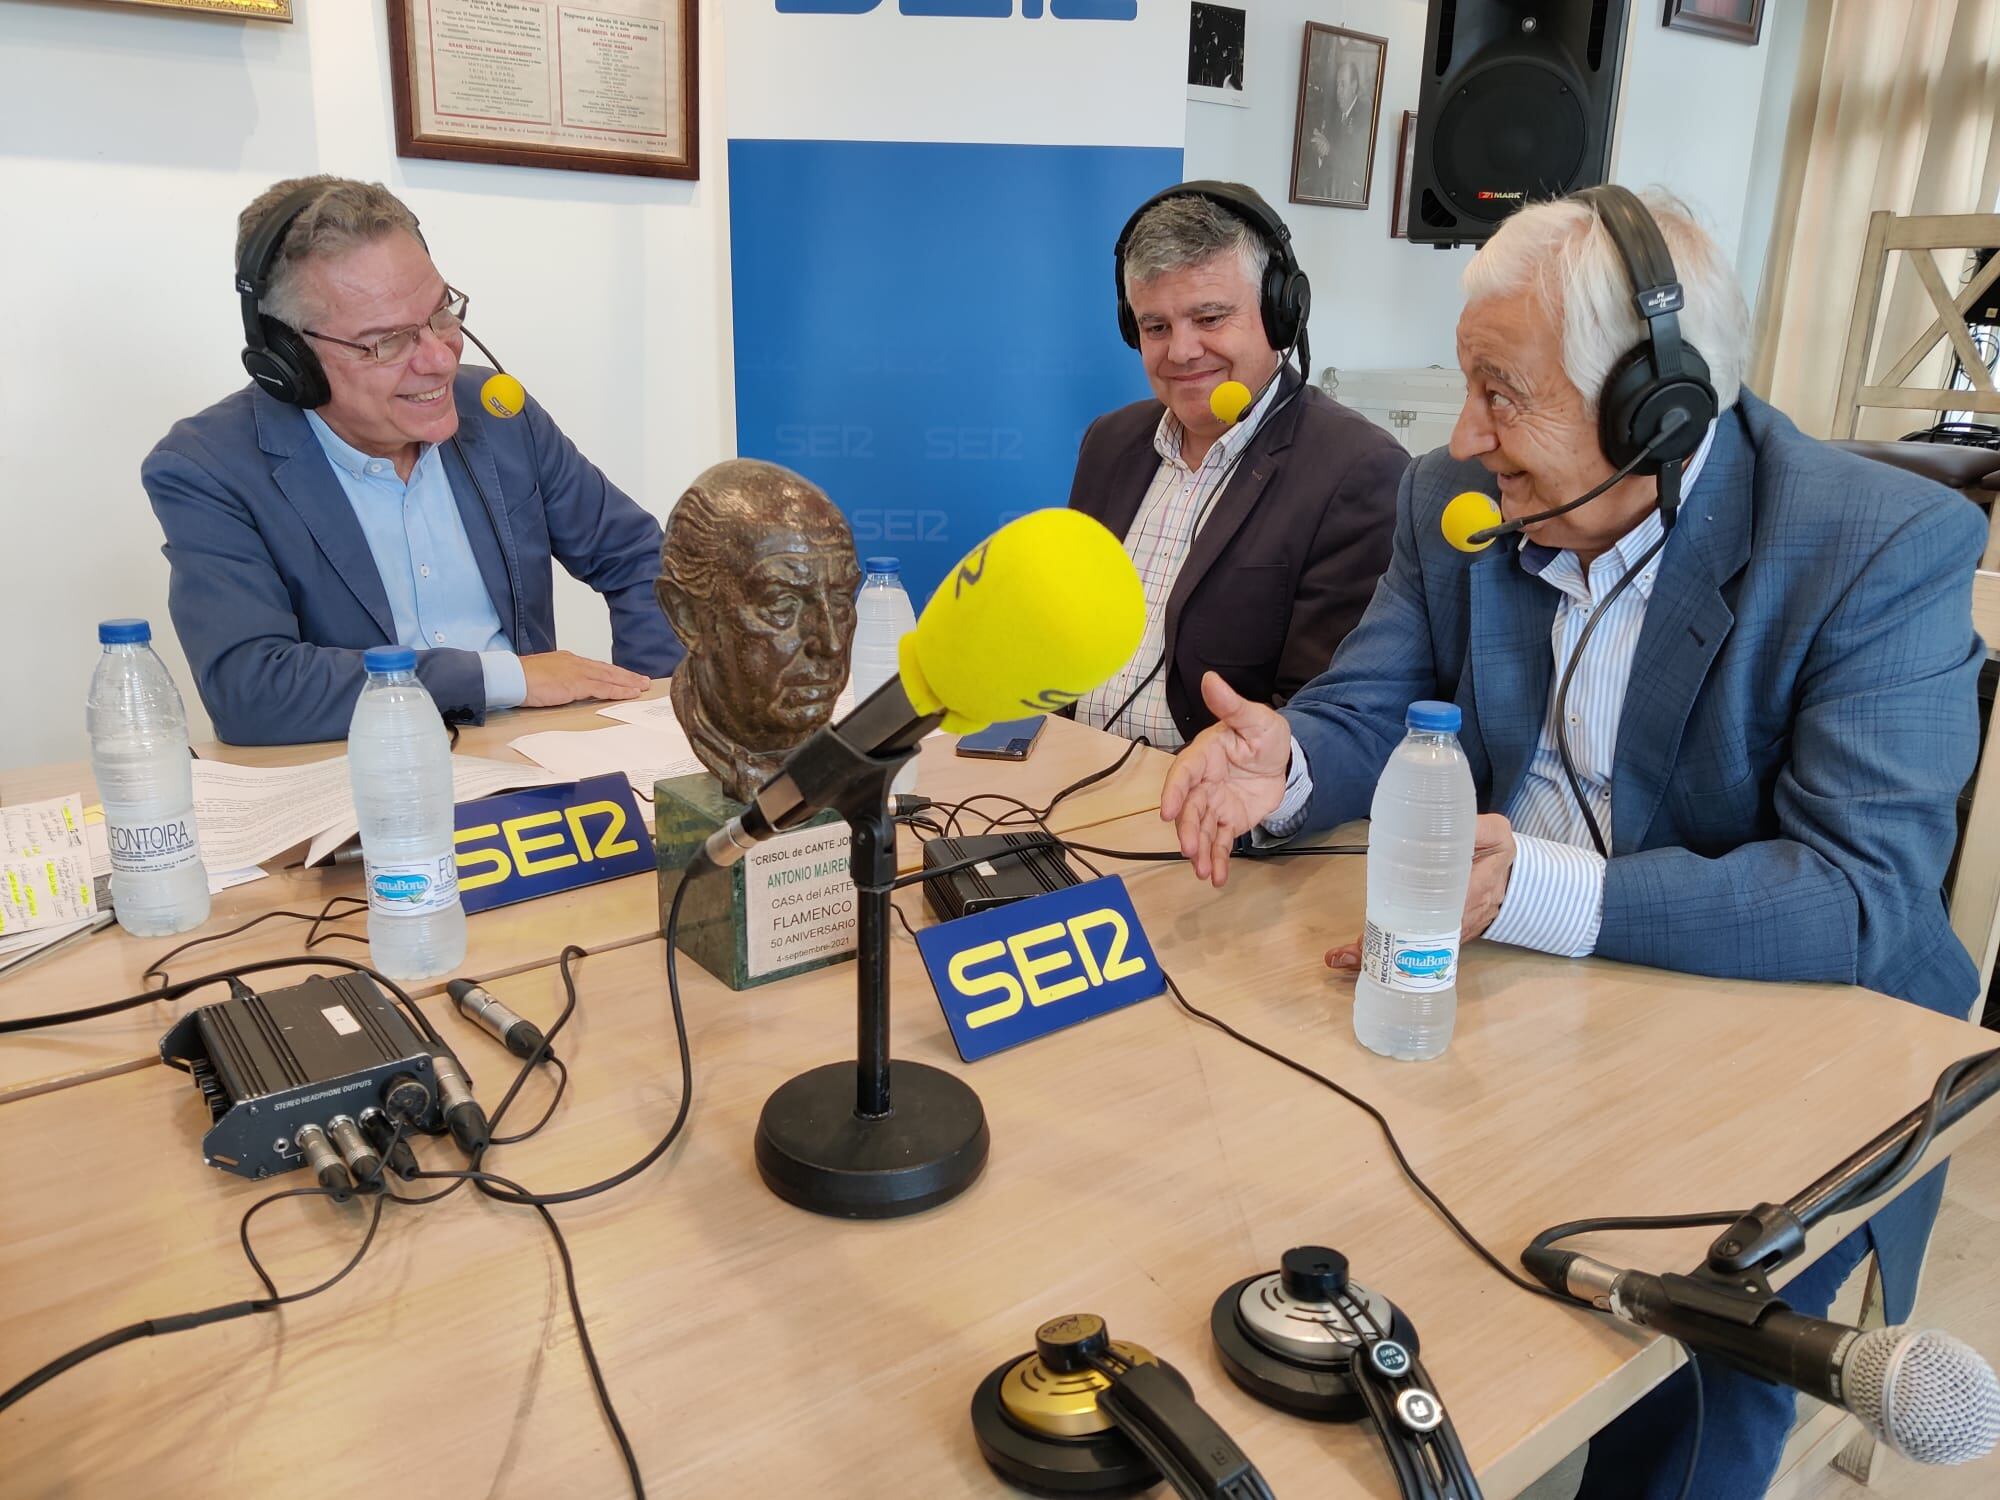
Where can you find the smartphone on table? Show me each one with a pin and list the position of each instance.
(1010, 739)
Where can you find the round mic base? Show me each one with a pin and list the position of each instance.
(815, 1151)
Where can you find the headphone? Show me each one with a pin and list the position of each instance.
(1663, 375)
(277, 357)
(1286, 295)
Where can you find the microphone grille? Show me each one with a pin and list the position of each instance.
(1926, 1394)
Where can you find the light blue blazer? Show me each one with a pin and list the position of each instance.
(1801, 717)
(275, 594)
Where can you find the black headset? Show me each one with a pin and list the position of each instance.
(1286, 295)
(1664, 374)
(278, 358)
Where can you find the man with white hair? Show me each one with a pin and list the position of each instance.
(357, 493)
(1754, 773)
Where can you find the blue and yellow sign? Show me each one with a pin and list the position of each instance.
(1013, 973)
(521, 845)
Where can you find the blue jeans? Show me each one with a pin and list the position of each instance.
(1643, 1455)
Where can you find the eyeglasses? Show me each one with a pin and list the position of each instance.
(393, 348)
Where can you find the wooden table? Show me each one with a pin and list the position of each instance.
(1140, 1164)
(109, 964)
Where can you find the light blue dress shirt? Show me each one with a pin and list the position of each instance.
(1555, 892)
(436, 594)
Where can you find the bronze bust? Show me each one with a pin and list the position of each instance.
(758, 576)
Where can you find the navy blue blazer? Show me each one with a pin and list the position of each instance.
(275, 593)
(1801, 717)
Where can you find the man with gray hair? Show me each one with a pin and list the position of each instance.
(358, 493)
(1259, 533)
(1755, 770)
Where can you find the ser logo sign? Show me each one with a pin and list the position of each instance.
(521, 845)
(1013, 973)
(1062, 10)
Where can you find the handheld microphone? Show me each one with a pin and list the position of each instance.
(1037, 615)
(518, 1035)
(502, 394)
(1924, 1393)
(1471, 522)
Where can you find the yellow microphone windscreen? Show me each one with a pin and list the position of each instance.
(1229, 401)
(502, 395)
(1466, 514)
(1038, 614)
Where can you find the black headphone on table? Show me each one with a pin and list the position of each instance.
(1662, 376)
(1286, 295)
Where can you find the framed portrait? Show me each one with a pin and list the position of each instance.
(1215, 54)
(252, 10)
(1738, 20)
(1340, 95)
(1406, 173)
(545, 83)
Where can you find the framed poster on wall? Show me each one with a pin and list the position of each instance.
(250, 10)
(1340, 96)
(547, 83)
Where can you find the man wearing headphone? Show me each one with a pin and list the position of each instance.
(1259, 534)
(359, 493)
(1751, 769)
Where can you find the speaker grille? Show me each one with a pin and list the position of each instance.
(1510, 133)
(1447, 13)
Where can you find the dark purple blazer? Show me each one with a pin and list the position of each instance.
(1288, 558)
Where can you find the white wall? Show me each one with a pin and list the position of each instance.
(129, 140)
(1688, 114)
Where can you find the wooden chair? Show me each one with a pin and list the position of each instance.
(1975, 473)
(1826, 1434)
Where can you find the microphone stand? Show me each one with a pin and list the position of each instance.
(868, 1140)
(1773, 1233)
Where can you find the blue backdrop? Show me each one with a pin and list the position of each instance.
(924, 329)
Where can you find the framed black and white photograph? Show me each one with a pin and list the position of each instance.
(1215, 55)
(1738, 20)
(1340, 96)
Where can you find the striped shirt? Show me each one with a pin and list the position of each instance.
(1176, 506)
(1555, 892)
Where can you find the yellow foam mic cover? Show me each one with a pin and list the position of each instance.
(1466, 514)
(502, 395)
(1038, 614)
(1229, 401)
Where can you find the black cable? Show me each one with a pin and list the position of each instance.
(571, 1195)
(224, 1313)
(1437, 1203)
(159, 965)
(1388, 1134)
(188, 986)
(562, 1083)
(1864, 1191)
(1562, 692)
(1215, 495)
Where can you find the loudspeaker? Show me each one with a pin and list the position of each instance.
(1515, 104)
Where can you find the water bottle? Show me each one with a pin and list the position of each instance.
(883, 616)
(1419, 863)
(399, 765)
(145, 779)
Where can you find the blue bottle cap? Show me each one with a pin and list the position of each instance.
(389, 659)
(1433, 717)
(882, 564)
(123, 633)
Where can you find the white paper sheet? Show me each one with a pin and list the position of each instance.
(249, 814)
(643, 752)
(45, 878)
